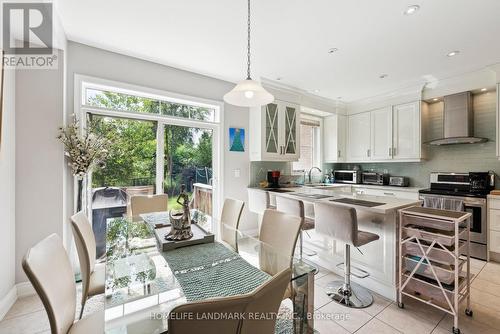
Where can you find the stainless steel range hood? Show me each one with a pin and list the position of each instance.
(458, 119)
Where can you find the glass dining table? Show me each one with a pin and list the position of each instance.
(144, 283)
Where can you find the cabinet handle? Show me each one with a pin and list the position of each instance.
(389, 194)
(338, 154)
(390, 151)
(393, 151)
(368, 153)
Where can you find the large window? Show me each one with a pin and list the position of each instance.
(159, 141)
(309, 146)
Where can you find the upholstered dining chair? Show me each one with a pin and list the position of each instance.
(49, 270)
(278, 236)
(265, 300)
(93, 274)
(230, 221)
(140, 204)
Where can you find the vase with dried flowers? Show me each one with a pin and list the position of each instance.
(84, 149)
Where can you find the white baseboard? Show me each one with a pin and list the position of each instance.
(25, 289)
(7, 301)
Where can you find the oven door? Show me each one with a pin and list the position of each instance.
(477, 207)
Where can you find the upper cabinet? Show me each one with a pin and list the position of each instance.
(274, 132)
(334, 138)
(387, 134)
(358, 137)
(381, 134)
(407, 131)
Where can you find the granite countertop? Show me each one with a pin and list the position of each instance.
(389, 203)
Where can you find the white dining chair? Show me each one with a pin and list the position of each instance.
(265, 300)
(140, 204)
(49, 270)
(93, 274)
(230, 221)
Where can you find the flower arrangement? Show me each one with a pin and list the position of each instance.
(84, 151)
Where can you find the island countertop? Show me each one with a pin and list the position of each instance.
(387, 203)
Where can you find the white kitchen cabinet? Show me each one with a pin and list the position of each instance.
(406, 129)
(386, 191)
(494, 226)
(358, 137)
(381, 134)
(334, 138)
(274, 132)
(384, 135)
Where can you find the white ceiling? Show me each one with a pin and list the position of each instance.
(291, 39)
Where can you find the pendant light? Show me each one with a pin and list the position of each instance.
(248, 93)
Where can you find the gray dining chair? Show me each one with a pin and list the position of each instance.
(230, 221)
(49, 270)
(265, 300)
(93, 274)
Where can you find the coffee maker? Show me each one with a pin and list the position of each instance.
(273, 178)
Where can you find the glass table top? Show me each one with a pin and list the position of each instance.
(144, 284)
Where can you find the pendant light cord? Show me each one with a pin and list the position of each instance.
(248, 45)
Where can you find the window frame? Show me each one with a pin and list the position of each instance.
(317, 143)
(81, 109)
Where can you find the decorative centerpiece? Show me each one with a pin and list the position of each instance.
(181, 220)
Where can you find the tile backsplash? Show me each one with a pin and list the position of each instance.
(450, 158)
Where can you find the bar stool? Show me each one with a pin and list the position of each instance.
(340, 222)
(294, 207)
(258, 202)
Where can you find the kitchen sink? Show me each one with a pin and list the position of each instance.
(312, 196)
(280, 190)
(359, 202)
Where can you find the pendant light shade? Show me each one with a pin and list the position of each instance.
(248, 93)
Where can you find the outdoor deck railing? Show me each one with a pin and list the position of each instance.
(202, 197)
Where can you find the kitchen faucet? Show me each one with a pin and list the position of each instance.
(310, 170)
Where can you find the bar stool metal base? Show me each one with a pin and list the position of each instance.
(354, 296)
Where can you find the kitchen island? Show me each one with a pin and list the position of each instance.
(376, 214)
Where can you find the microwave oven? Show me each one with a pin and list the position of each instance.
(347, 176)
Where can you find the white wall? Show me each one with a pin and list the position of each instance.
(7, 195)
(39, 158)
(95, 62)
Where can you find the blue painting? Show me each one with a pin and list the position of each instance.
(236, 140)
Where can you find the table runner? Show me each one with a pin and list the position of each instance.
(212, 270)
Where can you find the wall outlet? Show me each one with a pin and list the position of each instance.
(237, 172)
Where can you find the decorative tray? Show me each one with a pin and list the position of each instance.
(200, 236)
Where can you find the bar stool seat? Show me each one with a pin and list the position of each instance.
(340, 223)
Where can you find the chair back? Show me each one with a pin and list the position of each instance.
(192, 317)
(230, 221)
(140, 204)
(85, 247)
(291, 206)
(49, 270)
(266, 300)
(337, 221)
(278, 236)
(258, 200)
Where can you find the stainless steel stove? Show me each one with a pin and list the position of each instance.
(463, 192)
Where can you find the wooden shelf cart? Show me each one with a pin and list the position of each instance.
(431, 269)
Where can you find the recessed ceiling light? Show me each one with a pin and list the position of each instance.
(316, 91)
(332, 50)
(453, 53)
(484, 89)
(411, 9)
(383, 76)
(435, 99)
